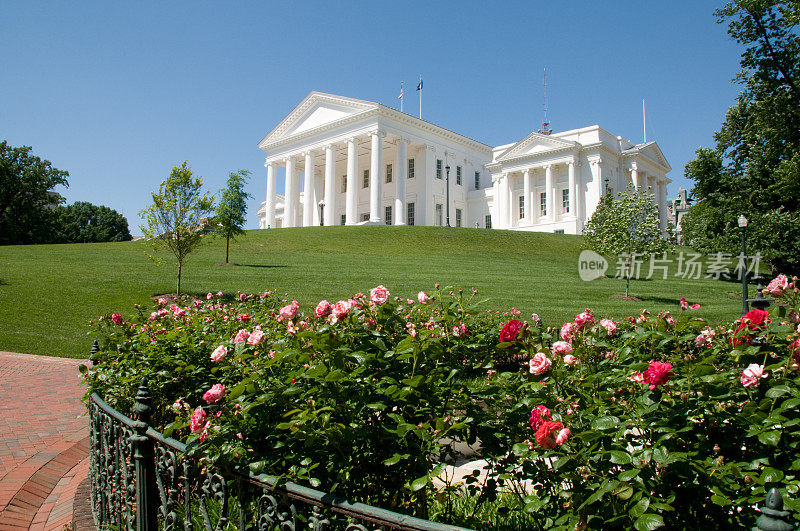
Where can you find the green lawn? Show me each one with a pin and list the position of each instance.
(48, 293)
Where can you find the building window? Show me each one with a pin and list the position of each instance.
(458, 175)
(558, 231)
(365, 217)
(439, 215)
(387, 214)
(487, 221)
(521, 206)
(344, 184)
(477, 180)
(458, 217)
(438, 168)
(543, 203)
(344, 219)
(388, 173)
(410, 168)
(365, 182)
(565, 200)
(410, 213)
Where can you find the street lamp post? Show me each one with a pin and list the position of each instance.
(321, 205)
(742, 227)
(606, 179)
(447, 198)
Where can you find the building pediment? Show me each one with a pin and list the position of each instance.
(317, 110)
(652, 152)
(535, 144)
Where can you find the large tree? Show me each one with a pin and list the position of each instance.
(83, 222)
(626, 226)
(26, 196)
(174, 220)
(754, 168)
(232, 208)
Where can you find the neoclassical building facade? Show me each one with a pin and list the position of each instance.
(349, 161)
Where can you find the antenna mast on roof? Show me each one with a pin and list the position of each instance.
(545, 130)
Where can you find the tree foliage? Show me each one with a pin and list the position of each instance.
(174, 219)
(26, 196)
(626, 225)
(83, 222)
(232, 208)
(754, 168)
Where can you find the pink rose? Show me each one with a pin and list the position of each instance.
(657, 373)
(241, 335)
(636, 377)
(179, 312)
(256, 337)
(378, 295)
(685, 305)
(209, 296)
(340, 310)
(670, 320)
(777, 286)
(162, 301)
(562, 436)
(568, 331)
(539, 363)
(116, 318)
(539, 415)
(422, 297)
(561, 348)
(289, 311)
(219, 353)
(752, 375)
(460, 331)
(215, 394)
(704, 339)
(323, 309)
(584, 319)
(198, 421)
(609, 325)
(569, 359)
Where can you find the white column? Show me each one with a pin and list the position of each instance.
(635, 176)
(269, 218)
(375, 181)
(526, 192)
(308, 191)
(399, 170)
(495, 212)
(572, 189)
(288, 200)
(548, 189)
(330, 188)
(598, 164)
(351, 198)
(505, 211)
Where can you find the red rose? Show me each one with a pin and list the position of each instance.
(657, 373)
(547, 433)
(754, 320)
(510, 331)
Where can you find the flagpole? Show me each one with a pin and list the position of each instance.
(401, 96)
(420, 96)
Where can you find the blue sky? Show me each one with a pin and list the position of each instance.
(119, 93)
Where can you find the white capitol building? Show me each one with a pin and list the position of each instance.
(363, 162)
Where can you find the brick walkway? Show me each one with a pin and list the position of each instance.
(44, 444)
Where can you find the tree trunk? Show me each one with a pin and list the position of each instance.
(180, 267)
(227, 246)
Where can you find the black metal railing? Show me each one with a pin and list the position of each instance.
(145, 481)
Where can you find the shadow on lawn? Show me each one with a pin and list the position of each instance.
(263, 265)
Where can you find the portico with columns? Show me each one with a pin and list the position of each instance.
(346, 161)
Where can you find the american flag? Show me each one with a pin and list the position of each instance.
(400, 97)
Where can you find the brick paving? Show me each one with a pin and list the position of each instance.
(44, 444)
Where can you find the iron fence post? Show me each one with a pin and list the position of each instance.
(143, 448)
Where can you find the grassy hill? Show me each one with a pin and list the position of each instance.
(48, 293)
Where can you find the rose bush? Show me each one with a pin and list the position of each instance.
(656, 420)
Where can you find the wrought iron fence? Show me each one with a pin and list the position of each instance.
(143, 480)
